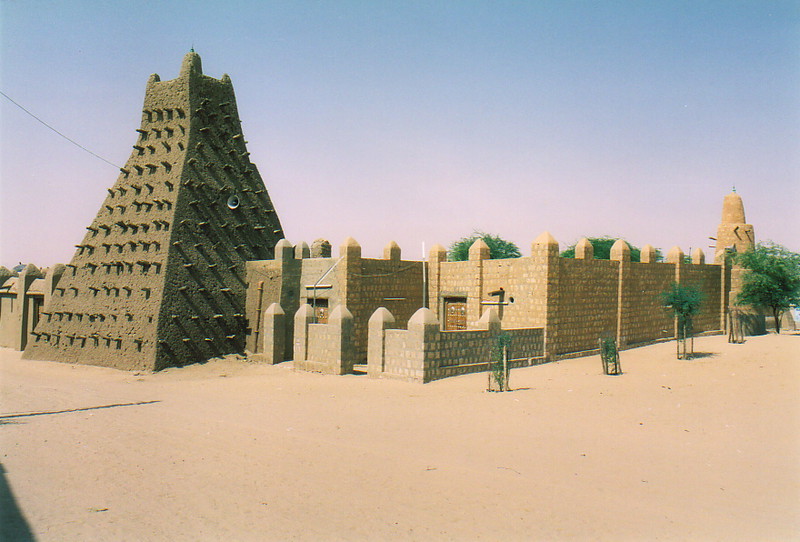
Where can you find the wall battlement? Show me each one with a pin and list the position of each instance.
(294, 278)
(423, 352)
(574, 301)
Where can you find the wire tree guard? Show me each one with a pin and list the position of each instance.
(610, 356)
(684, 302)
(735, 331)
(498, 372)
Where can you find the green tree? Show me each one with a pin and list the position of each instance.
(684, 301)
(498, 248)
(602, 249)
(771, 279)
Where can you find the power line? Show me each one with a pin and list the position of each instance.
(6, 96)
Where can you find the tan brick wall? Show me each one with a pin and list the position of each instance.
(425, 353)
(576, 301)
(586, 303)
(522, 279)
(379, 283)
(326, 348)
(644, 319)
(708, 279)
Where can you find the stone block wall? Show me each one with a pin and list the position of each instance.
(394, 284)
(423, 352)
(522, 279)
(361, 284)
(644, 318)
(708, 279)
(579, 300)
(570, 303)
(586, 303)
(325, 348)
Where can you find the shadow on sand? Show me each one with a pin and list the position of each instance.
(13, 525)
(5, 417)
(701, 355)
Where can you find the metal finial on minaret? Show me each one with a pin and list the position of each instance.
(734, 186)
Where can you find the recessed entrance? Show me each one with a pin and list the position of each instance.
(455, 313)
(320, 307)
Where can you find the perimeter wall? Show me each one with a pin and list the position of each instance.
(573, 301)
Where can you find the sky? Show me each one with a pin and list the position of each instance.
(422, 121)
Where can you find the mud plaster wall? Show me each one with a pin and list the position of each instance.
(9, 323)
(22, 299)
(264, 286)
(158, 279)
(285, 282)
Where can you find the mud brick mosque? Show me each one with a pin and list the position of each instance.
(186, 260)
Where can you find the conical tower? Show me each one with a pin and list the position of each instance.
(158, 279)
(733, 232)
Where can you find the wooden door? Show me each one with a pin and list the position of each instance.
(320, 311)
(455, 313)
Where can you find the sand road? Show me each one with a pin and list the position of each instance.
(707, 449)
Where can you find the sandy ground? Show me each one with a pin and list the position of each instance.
(707, 449)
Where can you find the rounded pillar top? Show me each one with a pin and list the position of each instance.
(339, 314)
(350, 248)
(620, 251)
(584, 249)
(423, 316)
(675, 255)
(648, 254)
(391, 251)
(381, 318)
(274, 309)
(545, 238)
(283, 250)
(437, 252)
(31, 271)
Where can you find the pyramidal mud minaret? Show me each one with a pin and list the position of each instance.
(158, 279)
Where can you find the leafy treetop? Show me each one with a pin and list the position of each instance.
(498, 248)
(684, 300)
(771, 279)
(602, 249)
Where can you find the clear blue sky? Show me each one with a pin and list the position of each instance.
(421, 121)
